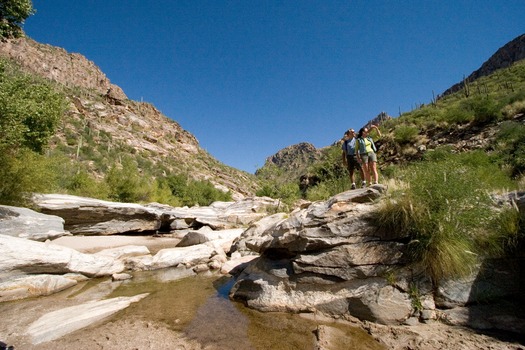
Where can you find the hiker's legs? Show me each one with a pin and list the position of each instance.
(373, 171)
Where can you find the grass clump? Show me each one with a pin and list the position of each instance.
(404, 134)
(445, 210)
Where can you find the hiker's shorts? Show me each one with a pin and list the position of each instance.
(369, 157)
(352, 163)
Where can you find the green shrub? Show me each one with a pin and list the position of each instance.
(458, 115)
(485, 109)
(318, 192)
(84, 184)
(126, 184)
(203, 193)
(268, 189)
(445, 210)
(510, 145)
(22, 173)
(30, 109)
(513, 109)
(161, 193)
(194, 192)
(330, 187)
(508, 234)
(422, 115)
(404, 134)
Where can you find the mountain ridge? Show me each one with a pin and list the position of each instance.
(101, 121)
(508, 54)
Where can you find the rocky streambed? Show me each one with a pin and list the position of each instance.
(92, 274)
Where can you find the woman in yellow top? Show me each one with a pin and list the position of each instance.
(367, 154)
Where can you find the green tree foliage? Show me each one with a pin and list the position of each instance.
(30, 110)
(405, 134)
(191, 192)
(21, 174)
(332, 175)
(126, 184)
(29, 113)
(13, 13)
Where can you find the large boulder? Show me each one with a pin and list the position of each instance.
(329, 257)
(208, 235)
(27, 223)
(88, 216)
(174, 257)
(40, 258)
(218, 215)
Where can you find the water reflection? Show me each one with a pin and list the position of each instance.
(198, 306)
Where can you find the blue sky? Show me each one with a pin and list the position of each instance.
(249, 78)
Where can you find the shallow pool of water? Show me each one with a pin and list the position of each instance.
(198, 306)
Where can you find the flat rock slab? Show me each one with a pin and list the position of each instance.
(29, 224)
(90, 216)
(58, 323)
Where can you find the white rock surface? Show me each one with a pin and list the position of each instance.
(61, 322)
(27, 223)
(38, 257)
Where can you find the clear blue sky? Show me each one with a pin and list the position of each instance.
(249, 78)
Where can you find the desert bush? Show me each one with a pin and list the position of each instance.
(82, 183)
(444, 210)
(161, 193)
(513, 109)
(126, 184)
(404, 134)
(22, 173)
(30, 109)
(508, 235)
(510, 144)
(287, 193)
(203, 193)
(194, 192)
(485, 109)
(457, 115)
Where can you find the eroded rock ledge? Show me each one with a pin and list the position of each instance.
(332, 258)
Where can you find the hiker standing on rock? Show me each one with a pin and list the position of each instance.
(367, 154)
(349, 154)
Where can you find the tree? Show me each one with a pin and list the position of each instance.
(30, 109)
(13, 13)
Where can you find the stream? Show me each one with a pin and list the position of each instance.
(195, 308)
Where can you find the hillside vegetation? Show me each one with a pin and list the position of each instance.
(443, 163)
(56, 138)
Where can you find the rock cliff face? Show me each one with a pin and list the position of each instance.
(508, 54)
(102, 124)
(54, 63)
(295, 157)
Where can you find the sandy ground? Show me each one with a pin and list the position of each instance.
(136, 333)
(92, 244)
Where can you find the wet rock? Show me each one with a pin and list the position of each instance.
(58, 323)
(33, 286)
